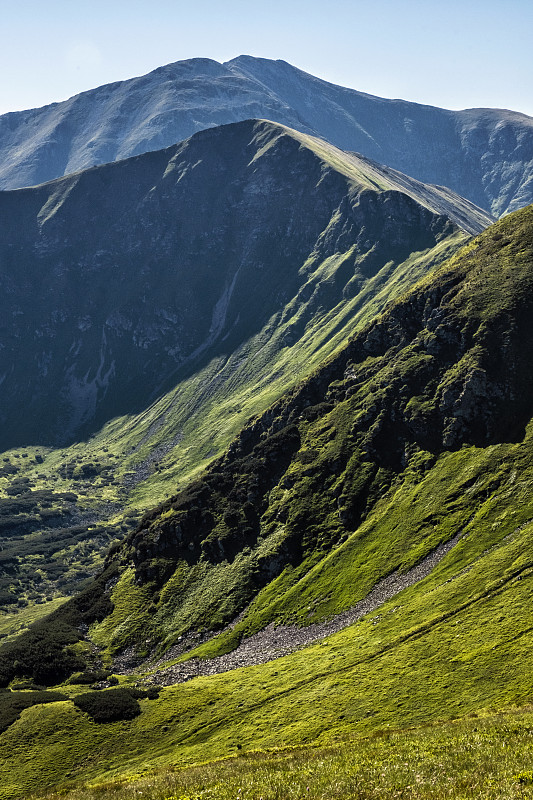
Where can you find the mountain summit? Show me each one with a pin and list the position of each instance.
(118, 280)
(485, 155)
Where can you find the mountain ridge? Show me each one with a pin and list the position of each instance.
(406, 450)
(223, 270)
(462, 150)
(137, 228)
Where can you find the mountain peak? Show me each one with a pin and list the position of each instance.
(483, 155)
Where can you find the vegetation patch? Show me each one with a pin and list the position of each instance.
(13, 703)
(477, 757)
(109, 705)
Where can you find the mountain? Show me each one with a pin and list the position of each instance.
(119, 281)
(170, 298)
(485, 155)
(395, 480)
(422, 417)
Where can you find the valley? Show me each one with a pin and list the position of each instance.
(363, 677)
(235, 364)
(266, 460)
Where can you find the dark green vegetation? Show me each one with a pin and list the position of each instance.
(49, 540)
(108, 706)
(103, 276)
(12, 703)
(335, 486)
(418, 431)
(482, 757)
(39, 531)
(114, 704)
(47, 651)
(484, 154)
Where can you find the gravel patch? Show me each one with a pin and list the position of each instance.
(143, 469)
(276, 641)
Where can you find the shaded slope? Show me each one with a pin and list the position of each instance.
(119, 281)
(483, 154)
(455, 643)
(306, 494)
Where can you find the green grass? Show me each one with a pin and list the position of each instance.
(486, 756)
(449, 646)
(14, 623)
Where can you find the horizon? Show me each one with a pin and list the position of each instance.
(457, 56)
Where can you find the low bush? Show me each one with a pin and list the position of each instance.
(88, 677)
(108, 705)
(40, 654)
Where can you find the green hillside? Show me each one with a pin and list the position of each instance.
(414, 435)
(338, 478)
(299, 245)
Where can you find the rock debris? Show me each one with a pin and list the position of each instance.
(276, 641)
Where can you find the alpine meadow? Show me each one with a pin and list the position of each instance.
(266, 422)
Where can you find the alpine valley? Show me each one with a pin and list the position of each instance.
(266, 409)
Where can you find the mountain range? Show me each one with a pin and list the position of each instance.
(111, 261)
(395, 480)
(485, 155)
(265, 408)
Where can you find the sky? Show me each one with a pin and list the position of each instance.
(453, 53)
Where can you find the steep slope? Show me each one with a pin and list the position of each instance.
(128, 308)
(417, 433)
(388, 450)
(483, 154)
(118, 281)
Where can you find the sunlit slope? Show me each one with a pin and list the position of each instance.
(299, 498)
(411, 663)
(360, 470)
(479, 756)
(419, 431)
(189, 288)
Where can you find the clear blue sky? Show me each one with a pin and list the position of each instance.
(452, 53)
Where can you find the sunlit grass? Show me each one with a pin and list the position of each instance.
(15, 622)
(487, 757)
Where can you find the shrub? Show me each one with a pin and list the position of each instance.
(40, 654)
(87, 677)
(108, 705)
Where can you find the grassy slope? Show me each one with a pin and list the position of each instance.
(370, 486)
(485, 756)
(403, 666)
(457, 642)
(138, 461)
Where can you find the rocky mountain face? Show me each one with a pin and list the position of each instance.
(120, 280)
(485, 155)
(414, 430)
(446, 368)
